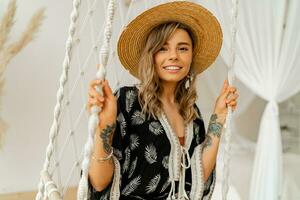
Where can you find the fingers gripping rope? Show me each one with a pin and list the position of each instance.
(231, 77)
(82, 192)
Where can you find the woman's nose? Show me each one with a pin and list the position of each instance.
(173, 55)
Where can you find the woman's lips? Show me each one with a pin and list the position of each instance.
(172, 68)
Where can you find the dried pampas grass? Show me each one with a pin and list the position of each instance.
(6, 23)
(3, 125)
(7, 52)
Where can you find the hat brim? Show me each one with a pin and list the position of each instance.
(205, 28)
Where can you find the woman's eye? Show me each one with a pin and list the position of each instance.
(183, 49)
(163, 49)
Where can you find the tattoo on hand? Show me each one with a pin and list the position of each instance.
(105, 136)
(214, 127)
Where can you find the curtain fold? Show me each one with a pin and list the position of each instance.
(267, 63)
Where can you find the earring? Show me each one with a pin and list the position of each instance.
(187, 84)
(188, 81)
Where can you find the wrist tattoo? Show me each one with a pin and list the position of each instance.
(105, 136)
(214, 127)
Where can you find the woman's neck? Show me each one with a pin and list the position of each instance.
(168, 94)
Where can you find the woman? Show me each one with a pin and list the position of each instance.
(151, 142)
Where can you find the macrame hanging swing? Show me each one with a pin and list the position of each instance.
(231, 78)
(47, 188)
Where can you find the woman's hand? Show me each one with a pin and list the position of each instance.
(228, 97)
(107, 102)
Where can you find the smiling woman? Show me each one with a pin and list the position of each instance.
(151, 136)
(171, 46)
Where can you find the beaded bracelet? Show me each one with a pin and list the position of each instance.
(103, 159)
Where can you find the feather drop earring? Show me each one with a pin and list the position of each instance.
(188, 81)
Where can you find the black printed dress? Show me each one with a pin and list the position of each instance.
(150, 163)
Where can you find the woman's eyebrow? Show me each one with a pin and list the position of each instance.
(180, 43)
(184, 43)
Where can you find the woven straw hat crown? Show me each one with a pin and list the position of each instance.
(205, 29)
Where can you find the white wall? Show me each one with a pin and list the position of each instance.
(29, 95)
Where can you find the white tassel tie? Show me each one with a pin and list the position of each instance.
(182, 195)
(172, 191)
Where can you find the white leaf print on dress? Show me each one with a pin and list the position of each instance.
(150, 153)
(156, 128)
(130, 187)
(165, 186)
(134, 142)
(127, 160)
(132, 167)
(121, 120)
(130, 97)
(138, 118)
(105, 196)
(153, 184)
(196, 132)
(118, 154)
(165, 162)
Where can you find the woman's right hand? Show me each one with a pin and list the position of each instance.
(107, 102)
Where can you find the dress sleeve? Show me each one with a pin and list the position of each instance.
(112, 191)
(200, 190)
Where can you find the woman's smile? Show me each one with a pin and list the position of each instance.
(172, 68)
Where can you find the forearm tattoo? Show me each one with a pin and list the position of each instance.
(105, 136)
(207, 142)
(214, 130)
(214, 127)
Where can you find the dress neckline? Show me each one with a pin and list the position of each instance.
(173, 131)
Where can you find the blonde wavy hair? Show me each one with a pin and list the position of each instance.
(150, 89)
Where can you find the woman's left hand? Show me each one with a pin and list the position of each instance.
(228, 97)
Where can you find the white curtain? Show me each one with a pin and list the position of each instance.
(268, 63)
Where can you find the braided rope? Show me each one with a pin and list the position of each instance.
(51, 189)
(60, 95)
(82, 192)
(231, 77)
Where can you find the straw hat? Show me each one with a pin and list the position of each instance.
(205, 28)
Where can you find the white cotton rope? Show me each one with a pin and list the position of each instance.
(82, 192)
(231, 77)
(51, 191)
(60, 94)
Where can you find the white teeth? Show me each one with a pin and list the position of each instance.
(172, 68)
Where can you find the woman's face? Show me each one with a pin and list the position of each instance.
(172, 62)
